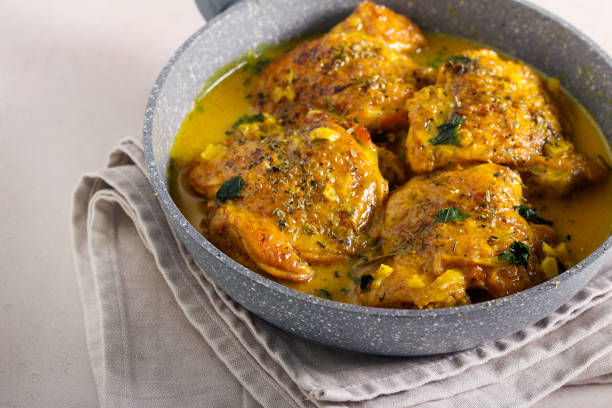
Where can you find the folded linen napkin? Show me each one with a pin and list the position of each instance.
(161, 334)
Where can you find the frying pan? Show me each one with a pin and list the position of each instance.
(516, 27)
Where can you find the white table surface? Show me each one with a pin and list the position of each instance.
(74, 79)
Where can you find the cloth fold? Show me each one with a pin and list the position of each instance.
(161, 334)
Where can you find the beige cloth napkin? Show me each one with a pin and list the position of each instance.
(161, 334)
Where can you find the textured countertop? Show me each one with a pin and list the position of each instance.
(74, 80)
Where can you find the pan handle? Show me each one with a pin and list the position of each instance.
(210, 8)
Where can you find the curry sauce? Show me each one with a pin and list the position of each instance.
(583, 219)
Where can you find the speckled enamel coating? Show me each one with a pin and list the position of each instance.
(515, 27)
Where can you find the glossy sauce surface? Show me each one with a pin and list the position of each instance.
(584, 218)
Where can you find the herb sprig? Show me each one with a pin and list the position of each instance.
(352, 277)
(461, 59)
(530, 214)
(259, 65)
(324, 293)
(259, 117)
(517, 254)
(450, 214)
(448, 133)
(231, 189)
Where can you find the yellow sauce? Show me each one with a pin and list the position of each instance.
(585, 215)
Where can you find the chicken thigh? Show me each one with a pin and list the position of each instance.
(359, 71)
(485, 109)
(452, 231)
(280, 198)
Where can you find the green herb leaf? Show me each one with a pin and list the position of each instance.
(365, 281)
(249, 119)
(448, 133)
(436, 61)
(230, 189)
(450, 214)
(259, 65)
(324, 293)
(517, 254)
(530, 214)
(353, 277)
(458, 59)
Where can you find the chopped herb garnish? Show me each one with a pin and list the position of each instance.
(448, 133)
(365, 281)
(450, 214)
(380, 299)
(249, 119)
(353, 277)
(435, 62)
(259, 65)
(230, 189)
(530, 214)
(345, 290)
(458, 59)
(517, 254)
(324, 293)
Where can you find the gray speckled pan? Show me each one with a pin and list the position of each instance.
(515, 27)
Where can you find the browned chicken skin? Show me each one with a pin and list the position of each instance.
(307, 195)
(359, 71)
(443, 234)
(484, 109)
(397, 31)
